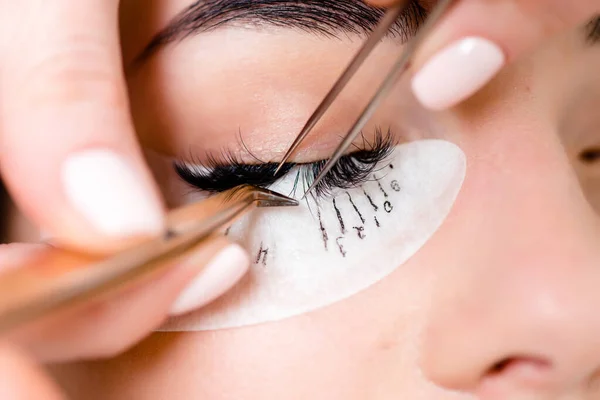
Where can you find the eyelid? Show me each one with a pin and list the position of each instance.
(220, 177)
(350, 171)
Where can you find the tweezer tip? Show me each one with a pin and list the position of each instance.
(310, 189)
(269, 198)
(297, 141)
(281, 164)
(285, 158)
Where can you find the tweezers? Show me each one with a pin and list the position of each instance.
(401, 65)
(56, 278)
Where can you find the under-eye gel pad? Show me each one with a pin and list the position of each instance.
(331, 248)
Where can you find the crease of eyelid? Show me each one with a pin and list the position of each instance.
(328, 18)
(221, 173)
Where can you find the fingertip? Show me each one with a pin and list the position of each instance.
(219, 275)
(97, 200)
(471, 44)
(465, 51)
(111, 325)
(104, 188)
(457, 72)
(69, 153)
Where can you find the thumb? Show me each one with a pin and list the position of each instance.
(478, 38)
(68, 150)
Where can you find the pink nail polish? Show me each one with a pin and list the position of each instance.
(219, 275)
(457, 72)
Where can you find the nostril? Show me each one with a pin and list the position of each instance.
(590, 156)
(500, 366)
(519, 371)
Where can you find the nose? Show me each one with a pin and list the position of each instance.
(515, 311)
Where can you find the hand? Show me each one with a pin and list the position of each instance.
(68, 151)
(107, 328)
(72, 163)
(478, 37)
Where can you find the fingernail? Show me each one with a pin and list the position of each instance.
(457, 72)
(105, 190)
(219, 275)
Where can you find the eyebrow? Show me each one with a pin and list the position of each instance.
(330, 18)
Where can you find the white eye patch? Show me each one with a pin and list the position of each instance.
(324, 251)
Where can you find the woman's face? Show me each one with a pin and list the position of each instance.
(495, 269)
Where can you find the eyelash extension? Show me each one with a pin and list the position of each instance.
(215, 176)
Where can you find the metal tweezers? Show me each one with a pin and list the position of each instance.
(55, 278)
(403, 62)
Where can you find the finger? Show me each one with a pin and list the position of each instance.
(21, 379)
(109, 327)
(67, 145)
(15, 254)
(478, 38)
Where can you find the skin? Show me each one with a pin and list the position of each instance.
(496, 284)
(460, 322)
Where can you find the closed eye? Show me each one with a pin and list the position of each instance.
(350, 171)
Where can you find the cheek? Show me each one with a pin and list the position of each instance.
(363, 345)
(328, 250)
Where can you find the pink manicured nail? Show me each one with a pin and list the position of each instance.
(221, 273)
(457, 72)
(110, 194)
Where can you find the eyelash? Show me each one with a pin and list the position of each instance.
(215, 176)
